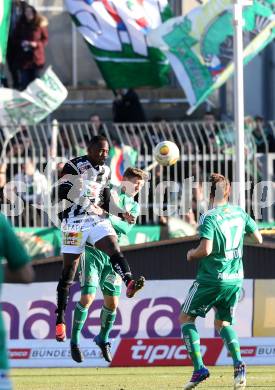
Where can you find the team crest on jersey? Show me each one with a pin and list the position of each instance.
(83, 167)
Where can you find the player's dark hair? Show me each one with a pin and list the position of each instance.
(135, 172)
(220, 186)
(96, 140)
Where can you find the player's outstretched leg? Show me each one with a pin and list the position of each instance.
(197, 377)
(134, 286)
(239, 376)
(70, 263)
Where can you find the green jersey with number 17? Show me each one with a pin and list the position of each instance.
(226, 226)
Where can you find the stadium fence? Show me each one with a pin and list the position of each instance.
(204, 148)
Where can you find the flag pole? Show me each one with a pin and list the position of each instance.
(239, 99)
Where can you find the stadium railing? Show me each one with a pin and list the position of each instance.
(204, 148)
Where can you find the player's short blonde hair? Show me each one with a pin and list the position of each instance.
(135, 172)
(220, 187)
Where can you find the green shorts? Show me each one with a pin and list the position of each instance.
(96, 270)
(223, 299)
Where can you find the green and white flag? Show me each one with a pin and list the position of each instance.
(199, 45)
(42, 97)
(116, 33)
(5, 10)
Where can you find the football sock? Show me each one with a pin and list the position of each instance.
(62, 299)
(192, 342)
(63, 290)
(121, 267)
(230, 339)
(60, 317)
(80, 316)
(107, 318)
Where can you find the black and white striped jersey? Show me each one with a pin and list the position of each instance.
(95, 186)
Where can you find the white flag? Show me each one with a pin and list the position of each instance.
(36, 102)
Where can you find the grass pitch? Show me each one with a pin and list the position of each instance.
(149, 378)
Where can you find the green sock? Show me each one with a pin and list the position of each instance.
(107, 317)
(230, 339)
(80, 316)
(192, 342)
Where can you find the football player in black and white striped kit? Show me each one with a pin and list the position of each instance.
(84, 186)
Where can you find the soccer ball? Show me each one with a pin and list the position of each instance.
(166, 153)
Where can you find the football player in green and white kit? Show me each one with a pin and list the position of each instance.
(219, 278)
(96, 269)
(18, 270)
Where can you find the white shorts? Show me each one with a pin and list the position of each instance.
(78, 231)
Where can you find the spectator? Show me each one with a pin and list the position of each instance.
(17, 10)
(35, 181)
(65, 145)
(209, 118)
(97, 125)
(15, 147)
(263, 136)
(20, 144)
(127, 107)
(32, 187)
(210, 131)
(59, 169)
(31, 37)
(161, 130)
